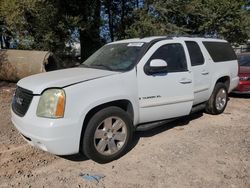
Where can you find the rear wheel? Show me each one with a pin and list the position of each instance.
(218, 100)
(107, 135)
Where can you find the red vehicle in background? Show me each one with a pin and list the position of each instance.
(244, 74)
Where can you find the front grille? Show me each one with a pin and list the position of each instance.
(21, 101)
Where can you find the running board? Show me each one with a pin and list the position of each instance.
(151, 125)
(198, 108)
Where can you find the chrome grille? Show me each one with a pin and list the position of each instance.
(21, 101)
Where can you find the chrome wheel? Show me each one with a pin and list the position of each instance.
(221, 99)
(110, 135)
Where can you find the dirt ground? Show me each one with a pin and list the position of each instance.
(197, 151)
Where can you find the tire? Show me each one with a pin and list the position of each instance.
(218, 100)
(108, 135)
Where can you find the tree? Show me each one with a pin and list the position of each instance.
(227, 19)
(48, 25)
(86, 16)
(117, 15)
(144, 25)
(158, 18)
(35, 24)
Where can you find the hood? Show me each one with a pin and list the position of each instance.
(61, 78)
(244, 70)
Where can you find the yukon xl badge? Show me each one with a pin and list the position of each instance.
(149, 97)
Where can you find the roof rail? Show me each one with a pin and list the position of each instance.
(195, 36)
(171, 36)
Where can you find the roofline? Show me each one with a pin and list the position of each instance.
(159, 38)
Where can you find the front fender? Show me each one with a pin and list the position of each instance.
(83, 97)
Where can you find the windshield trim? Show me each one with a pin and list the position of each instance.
(146, 46)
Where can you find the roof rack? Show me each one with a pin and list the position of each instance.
(170, 36)
(195, 36)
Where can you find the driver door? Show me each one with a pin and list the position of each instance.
(168, 94)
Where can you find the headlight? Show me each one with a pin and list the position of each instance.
(244, 78)
(51, 104)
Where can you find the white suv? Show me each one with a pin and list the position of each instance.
(127, 85)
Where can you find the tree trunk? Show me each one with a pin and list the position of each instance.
(90, 37)
(1, 42)
(83, 42)
(122, 28)
(110, 16)
(137, 3)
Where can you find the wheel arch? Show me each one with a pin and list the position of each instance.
(124, 104)
(225, 80)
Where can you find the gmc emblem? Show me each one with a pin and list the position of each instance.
(19, 101)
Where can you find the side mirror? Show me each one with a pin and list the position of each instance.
(157, 66)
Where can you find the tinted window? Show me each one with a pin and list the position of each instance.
(174, 55)
(244, 60)
(220, 51)
(195, 53)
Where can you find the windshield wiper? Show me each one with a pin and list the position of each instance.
(84, 65)
(104, 66)
(96, 66)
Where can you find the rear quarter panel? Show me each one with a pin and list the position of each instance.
(221, 69)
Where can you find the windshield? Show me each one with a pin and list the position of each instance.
(115, 57)
(244, 60)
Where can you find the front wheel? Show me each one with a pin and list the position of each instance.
(107, 135)
(218, 100)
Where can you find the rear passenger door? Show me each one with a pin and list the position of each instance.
(200, 68)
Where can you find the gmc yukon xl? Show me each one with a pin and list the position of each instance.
(127, 85)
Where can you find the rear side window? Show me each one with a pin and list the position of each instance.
(220, 51)
(244, 60)
(174, 55)
(195, 53)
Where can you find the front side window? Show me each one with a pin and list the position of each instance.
(174, 55)
(195, 53)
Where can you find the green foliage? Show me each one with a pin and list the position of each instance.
(145, 25)
(221, 17)
(35, 23)
(228, 19)
(158, 18)
(48, 25)
(83, 16)
(119, 13)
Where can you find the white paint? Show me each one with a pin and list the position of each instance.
(161, 96)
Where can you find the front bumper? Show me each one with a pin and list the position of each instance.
(57, 136)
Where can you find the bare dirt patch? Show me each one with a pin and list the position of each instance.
(197, 151)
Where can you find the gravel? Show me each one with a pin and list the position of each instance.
(197, 151)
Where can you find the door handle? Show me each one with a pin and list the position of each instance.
(185, 81)
(204, 72)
